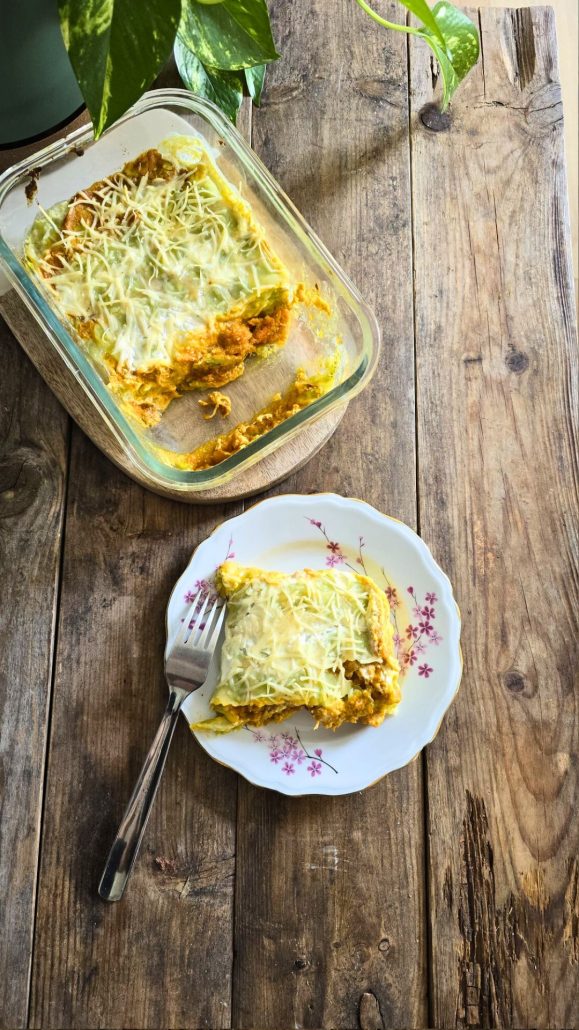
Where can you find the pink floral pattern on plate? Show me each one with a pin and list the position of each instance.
(411, 642)
(204, 590)
(291, 754)
(287, 751)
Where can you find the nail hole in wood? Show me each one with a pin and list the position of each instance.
(434, 119)
(517, 361)
(514, 682)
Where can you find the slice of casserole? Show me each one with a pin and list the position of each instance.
(316, 640)
(164, 275)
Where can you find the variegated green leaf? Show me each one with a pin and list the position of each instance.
(254, 78)
(421, 10)
(461, 37)
(224, 88)
(116, 48)
(451, 35)
(231, 35)
(460, 50)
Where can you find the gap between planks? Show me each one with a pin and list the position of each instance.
(423, 756)
(46, 756)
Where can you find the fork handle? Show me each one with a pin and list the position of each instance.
(130, 833)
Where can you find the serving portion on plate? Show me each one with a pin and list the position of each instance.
(289, 534)
(315, 640)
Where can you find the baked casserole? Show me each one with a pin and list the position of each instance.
(164, 276)
(319, 640)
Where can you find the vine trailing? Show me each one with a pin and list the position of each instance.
(451, 35)
(221, 48)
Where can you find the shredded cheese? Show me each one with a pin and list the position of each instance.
(317, 639)
(146, 266)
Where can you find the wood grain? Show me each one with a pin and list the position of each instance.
(498, 487)
(321, 936)
(568, 60)
(34, 435)
(163, 956)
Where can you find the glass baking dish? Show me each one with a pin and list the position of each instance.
(73, 164)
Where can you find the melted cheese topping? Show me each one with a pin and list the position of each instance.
(146, 266)
(312, 639)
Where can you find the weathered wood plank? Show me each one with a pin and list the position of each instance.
(330, 921)
(166, 947)
(34, 434)
(498, 463)
(567, 25)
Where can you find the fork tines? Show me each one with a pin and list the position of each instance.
(200, 626)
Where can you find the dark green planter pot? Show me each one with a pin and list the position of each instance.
(38, 90)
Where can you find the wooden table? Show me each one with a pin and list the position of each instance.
(452, 896)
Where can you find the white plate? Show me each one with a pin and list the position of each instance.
(318, 531)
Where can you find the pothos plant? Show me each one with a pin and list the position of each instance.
(221, 47)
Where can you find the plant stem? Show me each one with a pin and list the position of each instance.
(387, 24)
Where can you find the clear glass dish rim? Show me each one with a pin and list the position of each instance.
(155, 471)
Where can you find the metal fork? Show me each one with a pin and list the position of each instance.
(186, 666)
